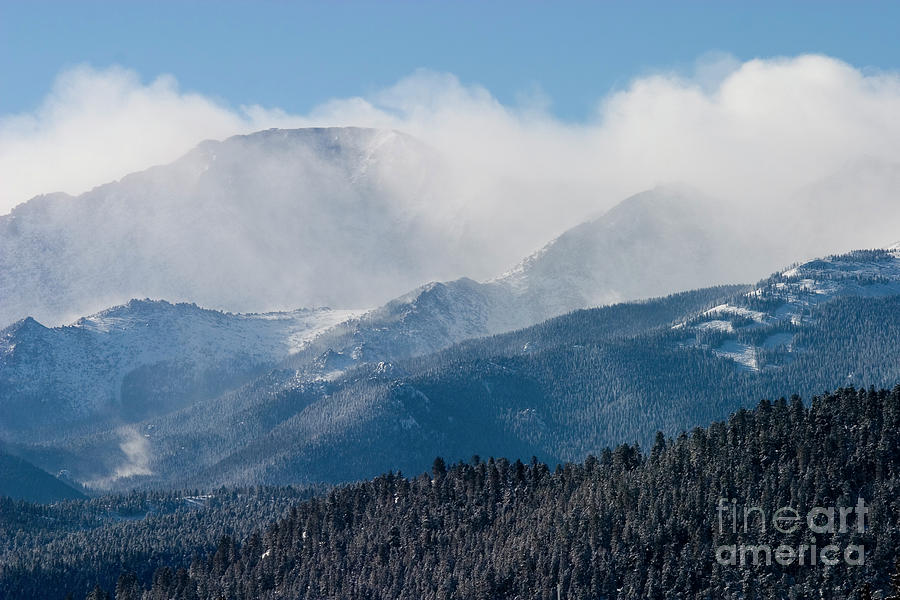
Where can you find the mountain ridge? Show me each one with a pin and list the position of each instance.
(95, 369)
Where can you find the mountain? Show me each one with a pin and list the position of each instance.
(383, 390)
(760, 331)
(269, 221)
(675, 238)
(352, 217)
(146, 359)
(819, 326)
(341, 217)
(652, 244)
(140, 359)
(558, 390)
(337, 401)
(154, 392)
(21, 480)
(655, 243)
(427, 319)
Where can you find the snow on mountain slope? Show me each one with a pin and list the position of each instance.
(339, 217)
(825, 314)
(438, 315)
(649, 244)
(324, 408)
(767, 319)
(141, 358)
(430, 318)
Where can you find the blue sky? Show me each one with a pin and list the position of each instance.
(297, 55)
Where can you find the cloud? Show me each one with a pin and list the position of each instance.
(136, 449)
(98, 125)
(749, 133)
(133, 461)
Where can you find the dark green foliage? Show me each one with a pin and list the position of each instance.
(49, 550)
(97, 594)
(623, 525)
(128, 587)
(895, 582)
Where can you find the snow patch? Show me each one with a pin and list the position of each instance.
(742, 354)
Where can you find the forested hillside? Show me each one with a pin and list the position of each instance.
(626, 524)
(47, 551)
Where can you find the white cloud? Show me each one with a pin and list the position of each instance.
(98, 125)
(134, 462)
(136, 449)
(744, 132)
(802, 153)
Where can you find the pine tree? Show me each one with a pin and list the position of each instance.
(98, 593)
(895, 582)
(439, 468)
(128, 587)
(865, 592)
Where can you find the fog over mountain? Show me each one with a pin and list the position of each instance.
(277, 219)
(352, 218)
(446, 182)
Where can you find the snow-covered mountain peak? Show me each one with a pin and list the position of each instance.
(138, 312)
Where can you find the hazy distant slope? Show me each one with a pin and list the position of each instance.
(21, 480)
(662, 241)
(856, 207)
